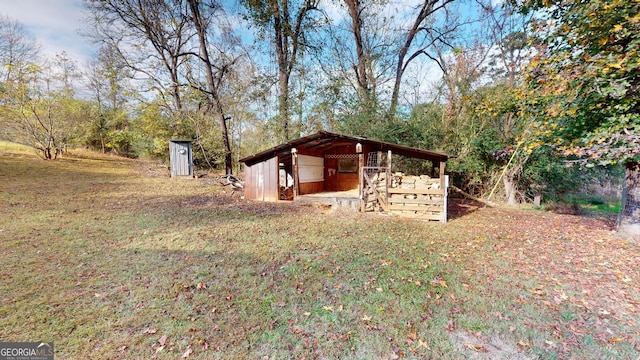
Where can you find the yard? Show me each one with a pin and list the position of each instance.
(109, 258)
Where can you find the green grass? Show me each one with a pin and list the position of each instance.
(109, 262)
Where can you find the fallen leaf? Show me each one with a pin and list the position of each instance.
(328, 308)
(187, 353)
(163, 340)
(151, 331)
(423, 344)
(160, 349)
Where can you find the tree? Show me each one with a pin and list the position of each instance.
(106, 80)
(27, 95)
(414, 45)
(146, 34)
(585, 86)
(213, 81)
(184, 37)
(40, 106)
(18, 49)
(287, 21)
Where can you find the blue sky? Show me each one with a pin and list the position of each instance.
(54, 23)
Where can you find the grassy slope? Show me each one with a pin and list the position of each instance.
(109, 262)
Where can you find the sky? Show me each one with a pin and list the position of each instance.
(54, 24)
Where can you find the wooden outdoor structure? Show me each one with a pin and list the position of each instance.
(346, 170)
(181, 158)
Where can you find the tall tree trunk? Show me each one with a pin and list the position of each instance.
(355, 11)
(213, 89)
(288, 30)
(629, 218)
(280, 23)
(283, 105)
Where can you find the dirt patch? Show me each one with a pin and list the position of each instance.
(480, 348)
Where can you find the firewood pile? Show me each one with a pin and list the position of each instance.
(419, 197)
(414, 182)
(374, 190)
(409, 203)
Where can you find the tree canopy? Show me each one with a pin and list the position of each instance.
(585, 79)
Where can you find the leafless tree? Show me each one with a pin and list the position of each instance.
(18, 49)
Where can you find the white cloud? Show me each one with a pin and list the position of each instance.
(55, 25)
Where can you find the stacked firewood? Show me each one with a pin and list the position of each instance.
(373, 190)
(414, 182)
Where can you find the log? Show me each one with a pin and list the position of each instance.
(486, 202)
(235, 182)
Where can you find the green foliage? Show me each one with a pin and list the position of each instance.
(584, 86)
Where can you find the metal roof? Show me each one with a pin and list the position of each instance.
(324, 140)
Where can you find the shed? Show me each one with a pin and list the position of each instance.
(344, 170)
(181, 158)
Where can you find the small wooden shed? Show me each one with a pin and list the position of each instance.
(181, 158)
(329, 163)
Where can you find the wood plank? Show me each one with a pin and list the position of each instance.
(416, 191)
(416, 208)
(415, 201)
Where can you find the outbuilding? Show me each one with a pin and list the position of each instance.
(348, 171)
(180, 158)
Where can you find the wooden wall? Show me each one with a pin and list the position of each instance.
(335, 180)
(261, 180)
(311, 187)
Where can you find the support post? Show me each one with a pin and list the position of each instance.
(443, 164)
(444, 182)
(294, 164)
(360, 176)
(389, 178)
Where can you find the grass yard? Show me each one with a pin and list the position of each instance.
(109, 258)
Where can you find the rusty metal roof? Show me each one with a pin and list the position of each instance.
(324, 140)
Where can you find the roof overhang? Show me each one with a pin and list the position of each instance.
(324, 140)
